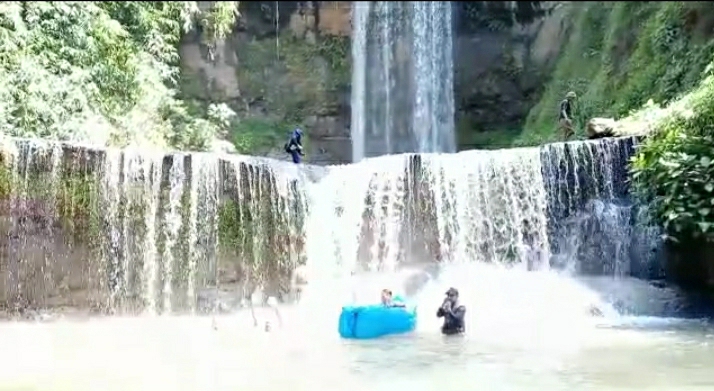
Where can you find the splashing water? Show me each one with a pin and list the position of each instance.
(593, 225)
(489, 230)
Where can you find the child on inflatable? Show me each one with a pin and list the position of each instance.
(388, 301)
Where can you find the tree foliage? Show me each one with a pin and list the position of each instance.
(103, 72)
(673, 169)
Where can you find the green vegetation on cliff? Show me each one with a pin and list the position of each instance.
(622, 56)
(619, 55)
(673, 170)
(101, 71)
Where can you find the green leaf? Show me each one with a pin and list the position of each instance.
(709, 187)
(705, 161)
(704, 211)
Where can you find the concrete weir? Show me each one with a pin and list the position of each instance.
(140, 230)
(144, 231)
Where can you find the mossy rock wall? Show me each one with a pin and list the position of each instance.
(286, 64)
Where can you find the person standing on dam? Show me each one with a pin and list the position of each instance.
(565, 115)
(294, 145)
(453, 314)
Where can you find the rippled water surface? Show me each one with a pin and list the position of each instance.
(536, 342)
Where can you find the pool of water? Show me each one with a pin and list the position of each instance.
(228, 353)
(525, 331)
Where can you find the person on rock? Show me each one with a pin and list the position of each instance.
(294, 145)
(565, 115)
(453, 314)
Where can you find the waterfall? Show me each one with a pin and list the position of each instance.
(145, 232)
(402, 80)
(594, 226)
(518, 207)
(140, 231)
(482, 206)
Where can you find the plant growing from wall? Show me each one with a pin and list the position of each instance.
(72, 199)
(78, 208)
(674, 169)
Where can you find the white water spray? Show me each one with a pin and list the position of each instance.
(489, 211)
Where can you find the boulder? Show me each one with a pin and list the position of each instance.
(223, 146)
(635, 125)
(601, 127)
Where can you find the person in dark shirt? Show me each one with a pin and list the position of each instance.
(565, 115)
(453, 313)
(294, 145)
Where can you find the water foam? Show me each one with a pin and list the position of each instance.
(487, 212)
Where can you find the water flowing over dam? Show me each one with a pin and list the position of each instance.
(511, 207)
(594, 227)
(143, 232)
(137, 230)
(402, 81)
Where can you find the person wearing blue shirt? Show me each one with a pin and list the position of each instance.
(294, 145)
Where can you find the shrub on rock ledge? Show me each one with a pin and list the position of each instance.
(673, 169)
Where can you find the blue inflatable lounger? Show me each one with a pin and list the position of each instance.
(374, 321)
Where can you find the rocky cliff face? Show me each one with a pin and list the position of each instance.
(500, 70)
(288, 63)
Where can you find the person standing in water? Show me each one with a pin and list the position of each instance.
(565, 115)
(453, 313)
